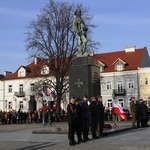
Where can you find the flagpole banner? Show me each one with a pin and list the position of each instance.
(117, 109)
(45, 97)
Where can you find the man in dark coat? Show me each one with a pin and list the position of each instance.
(71, 118)
(100, 109)
(138, 113)
(79, 126)
(133, 111)
(94, 117)
(85, 118)
(143, 113)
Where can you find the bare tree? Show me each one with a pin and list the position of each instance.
(51, 37)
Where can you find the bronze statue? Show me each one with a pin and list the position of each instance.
(81, 30)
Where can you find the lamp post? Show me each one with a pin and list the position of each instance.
(43, 115)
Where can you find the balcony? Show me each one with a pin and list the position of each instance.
(19, 94)
(119, 91)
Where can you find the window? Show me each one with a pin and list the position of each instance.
(130, 83)
(146, 81)
(21, 89)
(9, 88)
(108, 85)
(103, 85)
(109, 103)
(21, 105)
(21, 73)
(119, 67)
(45, 70)
(9, 105)
(101, 68)
(121, 102)
(119, 85)
(32, 86)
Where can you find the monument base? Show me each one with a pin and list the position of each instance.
(84, 77)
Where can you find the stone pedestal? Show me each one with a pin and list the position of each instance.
(84, 77)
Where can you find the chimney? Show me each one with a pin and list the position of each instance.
(130, 49)
(7, 73)
(36, 60)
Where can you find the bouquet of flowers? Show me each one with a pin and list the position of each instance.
(107, 126)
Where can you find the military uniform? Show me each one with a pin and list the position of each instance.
(71, 118)
(100, 109)
(85, 120)
(133, 113)
(94, 118)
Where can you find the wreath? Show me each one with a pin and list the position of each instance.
(107, 126)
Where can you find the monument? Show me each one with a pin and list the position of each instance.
(84, 75)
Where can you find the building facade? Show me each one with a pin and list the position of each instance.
(119, 75)
(122, 75)
(144, 83)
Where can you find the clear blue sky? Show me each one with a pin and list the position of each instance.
(120, 24)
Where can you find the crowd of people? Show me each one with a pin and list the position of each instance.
(139, 112)
(81, 117)
(20, 117)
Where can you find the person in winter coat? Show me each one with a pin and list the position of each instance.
(71, 118)
(94, 117)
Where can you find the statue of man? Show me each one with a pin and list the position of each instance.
(81, 30)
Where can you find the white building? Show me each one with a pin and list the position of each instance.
(120, 74)
(119, 77)
(21, 89)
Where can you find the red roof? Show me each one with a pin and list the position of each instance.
(1, 76)
(32, 70)
(133, 59)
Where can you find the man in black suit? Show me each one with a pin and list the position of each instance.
(71, 118)
(100, 109)
(85, 118)
(94, 117)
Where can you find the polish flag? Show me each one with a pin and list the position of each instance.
(117, 109)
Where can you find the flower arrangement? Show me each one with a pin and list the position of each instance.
(107, 126)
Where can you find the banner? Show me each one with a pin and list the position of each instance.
(117, 109)
(45, 97)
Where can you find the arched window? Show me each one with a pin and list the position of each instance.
(121, 102)
(109, 103)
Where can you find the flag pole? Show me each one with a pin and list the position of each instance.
(115, 120)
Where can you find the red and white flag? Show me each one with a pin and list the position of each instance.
(117, 109)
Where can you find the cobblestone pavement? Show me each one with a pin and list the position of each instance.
(20, 137)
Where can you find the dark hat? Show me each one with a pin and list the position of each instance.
(78, 99)
(99, 96)
(93, 97)
(85, 96)
(72, 97)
